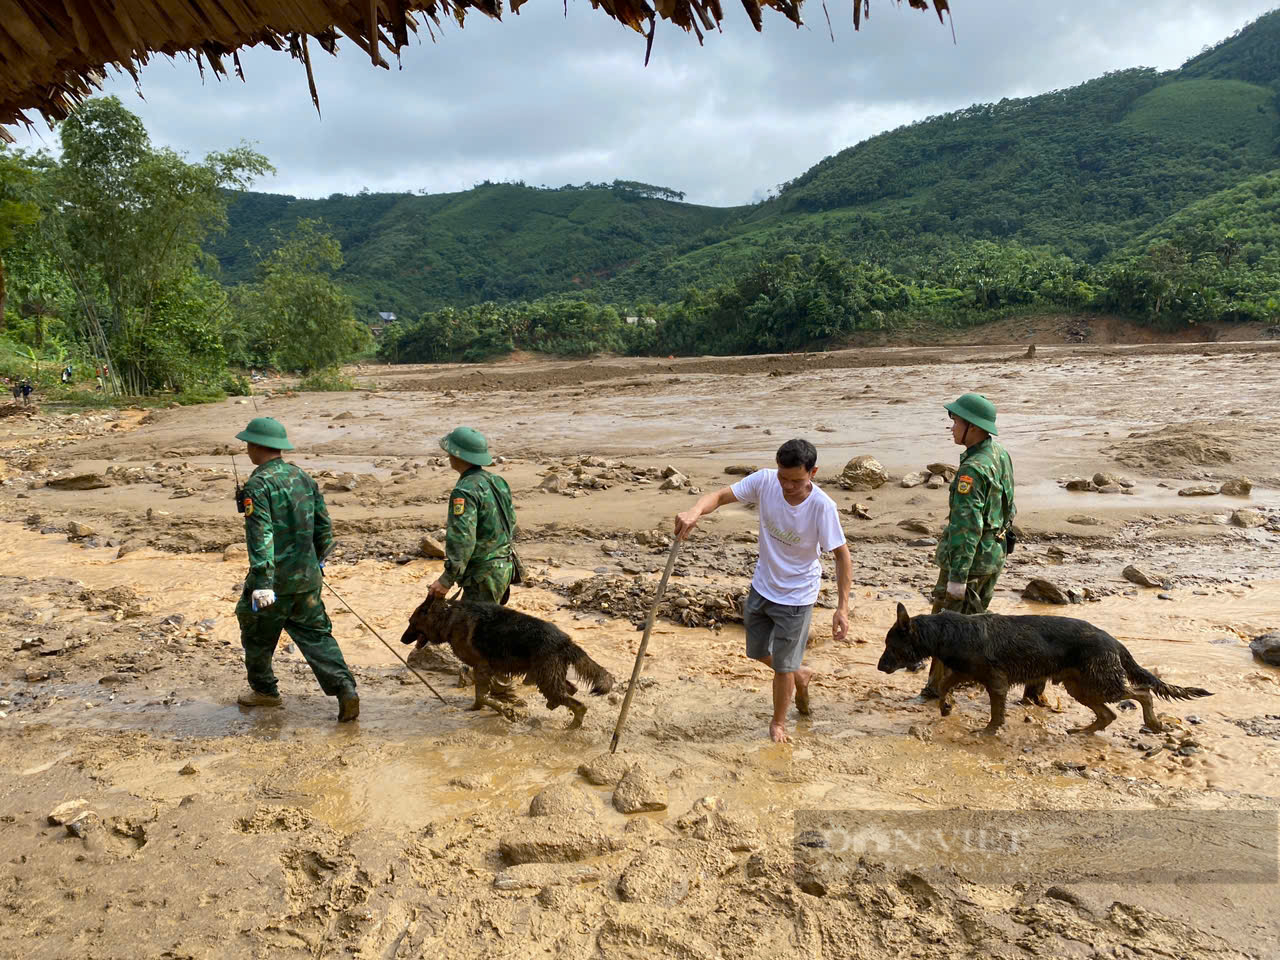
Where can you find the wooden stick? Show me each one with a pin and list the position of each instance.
(644, 642)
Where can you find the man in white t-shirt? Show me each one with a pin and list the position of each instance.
(798, 523)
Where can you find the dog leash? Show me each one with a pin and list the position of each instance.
(369, 627)
(644, 642)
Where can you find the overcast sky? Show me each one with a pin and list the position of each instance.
(551, 99)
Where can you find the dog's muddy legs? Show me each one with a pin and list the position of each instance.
(1033, 695)
(484, 700)
(998, 691)
(950, 680)
(1095, 703)
(1149, 718)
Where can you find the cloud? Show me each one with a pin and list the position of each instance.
(549, 98)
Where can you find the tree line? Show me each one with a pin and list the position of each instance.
(102, 265)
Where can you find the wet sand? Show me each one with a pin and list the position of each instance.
(296, 837)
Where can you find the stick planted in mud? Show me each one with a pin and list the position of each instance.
(644, 642)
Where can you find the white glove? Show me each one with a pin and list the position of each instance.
(263, 598)
(956, 590)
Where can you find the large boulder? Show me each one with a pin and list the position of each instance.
(1237, 487)
(1135, 574)
(945, 470)
(554, 839)
(80, 481)
(863, 473)
(1200, 490)
(1043, 591)
(1267, 648)
(606, 770)
(563, 800)
(914, 479)
(430, 548)
(1246, 517)
(639, 792)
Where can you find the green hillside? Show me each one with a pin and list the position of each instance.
(406, 253)
(1086, 172)
(1250, 212)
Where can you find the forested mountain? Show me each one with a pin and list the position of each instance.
(1091, 172)
(406, 253)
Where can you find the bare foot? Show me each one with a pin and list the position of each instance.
(778, 733)
(802, 690)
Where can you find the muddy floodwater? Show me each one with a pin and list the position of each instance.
(192, 827)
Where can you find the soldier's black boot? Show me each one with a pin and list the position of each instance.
(348, 706)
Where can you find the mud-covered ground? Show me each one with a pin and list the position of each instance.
(207, 830)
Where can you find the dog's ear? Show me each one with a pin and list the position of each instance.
(904, 621)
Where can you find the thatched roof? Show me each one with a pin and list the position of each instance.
(53, 52)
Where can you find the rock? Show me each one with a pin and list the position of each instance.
(1079, 484)
(1139, 576)
(670, 471)
(128, 547)
(1267, 648)
(36, 674)
(1111, 488)
(916, 525)
(652, 877)
(1106, 480)
(923, 542)
(1042, 591)
(234, 552)
(553, 483)
(556, 840)
(65, 812)
(1200, 490)
(563, 800)
(430, 548)
(860, 511)
(863, 473)
(1247, 518)
(740, 470)
(639, 792)
(936, 482)
(914, 480)
(1238, 487)
(1083, 520)
(1164, 596)
(536, 876)
(605, 770)
(709, 819)
(676, 481)
(944, 470)
(79, 531)
(189, 770)
(1031, 352)
(81, 481)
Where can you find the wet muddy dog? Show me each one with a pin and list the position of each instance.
(493, 639)
(996, 651)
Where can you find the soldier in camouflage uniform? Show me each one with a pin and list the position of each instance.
(971, 552)
(482, 520)
(288, 532)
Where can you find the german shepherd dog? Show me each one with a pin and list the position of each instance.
(493, 639)
(997, 651)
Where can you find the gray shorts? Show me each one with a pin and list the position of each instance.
(776, 630)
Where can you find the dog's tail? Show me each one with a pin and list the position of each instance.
(1141, 677)
(588, 670)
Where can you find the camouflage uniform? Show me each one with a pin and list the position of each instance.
(972, 548)
(288, 533)
(478, 546)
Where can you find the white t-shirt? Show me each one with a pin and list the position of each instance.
(791, 538)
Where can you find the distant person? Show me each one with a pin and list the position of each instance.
(288, 531)
(971, 552)
(798, 523)
(101, 385)
(26, 392)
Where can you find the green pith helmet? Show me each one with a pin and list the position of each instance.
(469, 444)
(266, 432)
(976, 409)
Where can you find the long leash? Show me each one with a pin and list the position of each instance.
(644, 643)
(369, 627)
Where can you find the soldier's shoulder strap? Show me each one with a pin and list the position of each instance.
(502, 496)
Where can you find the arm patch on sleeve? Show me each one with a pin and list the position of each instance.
(964, 483)
(459, 506)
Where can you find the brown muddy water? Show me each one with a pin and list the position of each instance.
(219, 831)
